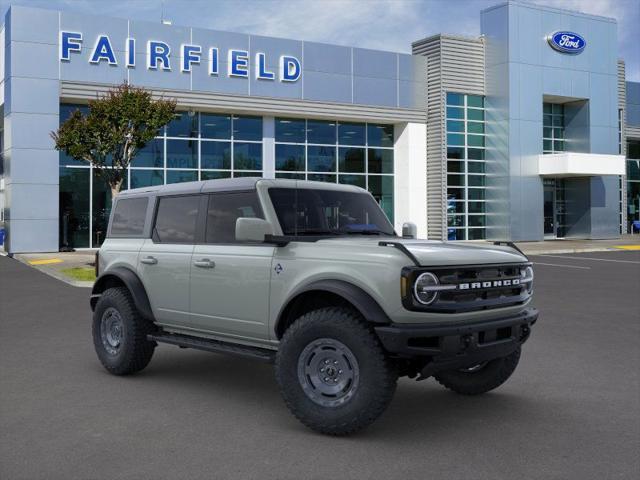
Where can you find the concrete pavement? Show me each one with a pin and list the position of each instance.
(571, 410)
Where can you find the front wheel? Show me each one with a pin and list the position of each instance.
(480, 378)
(333, 374)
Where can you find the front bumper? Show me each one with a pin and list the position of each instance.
(449, 347)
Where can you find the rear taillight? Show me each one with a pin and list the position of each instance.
(97, 263)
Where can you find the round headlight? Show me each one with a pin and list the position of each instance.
(422, 288)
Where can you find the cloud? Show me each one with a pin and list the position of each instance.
(378, 24)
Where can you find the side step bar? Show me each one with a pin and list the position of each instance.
(216, 346)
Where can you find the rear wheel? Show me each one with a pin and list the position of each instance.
(120, 333)
(481, 378)
(333, 374)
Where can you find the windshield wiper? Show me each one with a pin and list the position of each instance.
(366, 231)
(316, 231)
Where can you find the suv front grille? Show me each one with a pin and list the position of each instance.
(473, 287)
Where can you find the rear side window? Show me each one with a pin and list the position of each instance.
(176, 219)
(128, 217)
(224, 209)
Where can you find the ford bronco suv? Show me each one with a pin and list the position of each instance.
(312, 277)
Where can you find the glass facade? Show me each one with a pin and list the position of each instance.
(194, 146)
(466, 173)
(552, 128)
(204, 146)
(344, 152)
(633, 183)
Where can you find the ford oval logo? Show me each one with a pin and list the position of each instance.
(567, 42)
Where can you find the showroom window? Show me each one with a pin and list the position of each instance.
(351, 153)
(193, 146)
(552, 128)
(633, 182)
(466, 181)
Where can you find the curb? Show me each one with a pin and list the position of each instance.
(573, 250)
(56, 275)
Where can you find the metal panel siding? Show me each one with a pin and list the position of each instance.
(73, 91)
(455, 64)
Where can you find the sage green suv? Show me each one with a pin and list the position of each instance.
(312, 277)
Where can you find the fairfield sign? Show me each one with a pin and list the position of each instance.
(159, 56)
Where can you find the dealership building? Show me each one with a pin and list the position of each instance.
(527, 132)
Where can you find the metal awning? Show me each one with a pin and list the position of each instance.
(574, 164)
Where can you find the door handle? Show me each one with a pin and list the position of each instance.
(204, 263)
(149, 260)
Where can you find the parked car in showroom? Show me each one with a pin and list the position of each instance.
(312, 277)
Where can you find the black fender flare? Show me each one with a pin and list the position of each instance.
(356, 296)
(133, 284)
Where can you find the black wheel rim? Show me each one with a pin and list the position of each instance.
(328, 372)
(111, 330)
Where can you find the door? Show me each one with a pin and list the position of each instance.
(230, 280)
(165, 259)
(549, 208)
(555, 208)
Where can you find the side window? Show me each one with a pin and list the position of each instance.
(128, 217)
(224, 209)
(176, 219)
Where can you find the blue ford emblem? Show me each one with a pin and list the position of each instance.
(567, 42)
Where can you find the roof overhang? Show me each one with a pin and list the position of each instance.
(573, 164)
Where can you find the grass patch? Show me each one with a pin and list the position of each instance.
(82, 274)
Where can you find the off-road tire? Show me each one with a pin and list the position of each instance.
(377, 376)
(134, 351)
(489, 377)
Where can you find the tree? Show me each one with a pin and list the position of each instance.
(117, 126)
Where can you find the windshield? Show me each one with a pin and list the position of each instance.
(328, 212)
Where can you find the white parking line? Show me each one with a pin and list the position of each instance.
(591, 258)
(558, 265)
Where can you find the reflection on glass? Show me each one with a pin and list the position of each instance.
(293, 176)
(320, 131)
(184, 124)
(321, 159)
(290, 157)
(205, 175)
(247, 156)
(247, 127)
(182, 154)
(455, 98)
(179, 176)
(151, 155)
(357, 180)
(215, 155)
(322, 178)
(351, 133)
(290, 130)
(379, 135)
(101, 207)
(381, 187)
(146, 178)
(380, 161)
(215, 126)
(74, 207)
(351, 160)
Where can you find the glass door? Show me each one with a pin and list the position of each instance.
(555, 208)
(549, 208)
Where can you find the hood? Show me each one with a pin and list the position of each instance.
(436, 253)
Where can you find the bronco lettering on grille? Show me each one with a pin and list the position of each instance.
(490, 284)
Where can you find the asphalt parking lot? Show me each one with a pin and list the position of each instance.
(571, 410)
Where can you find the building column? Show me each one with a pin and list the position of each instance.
(268, 147)
(31, 113)
(410, 176)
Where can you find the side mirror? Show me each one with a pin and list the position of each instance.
(252, 229)
(409, 230)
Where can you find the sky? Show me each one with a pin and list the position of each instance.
(378, 24)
